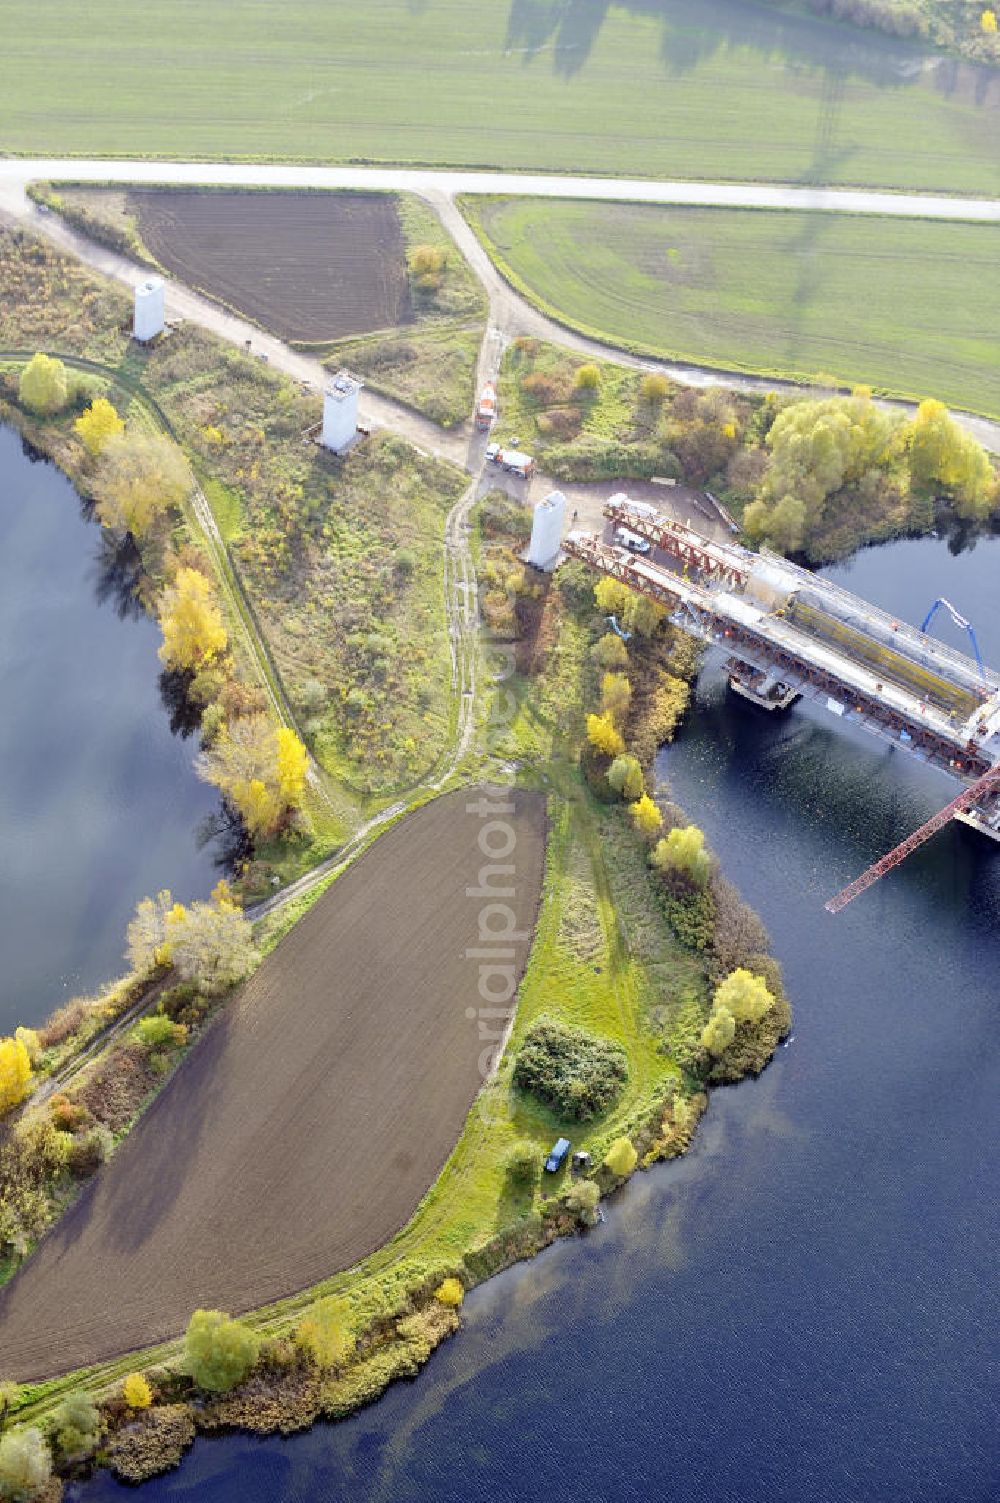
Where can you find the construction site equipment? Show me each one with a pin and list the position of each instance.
(925, 683)
(486, 407)
(511, 460)
(980, 790)
(787, 633)
(960, 622)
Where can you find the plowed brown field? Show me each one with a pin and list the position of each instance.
(307, 266)
(304, 1129)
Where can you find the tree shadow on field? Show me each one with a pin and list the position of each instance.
(516, 1201)
(693, 30)
(145, 1180)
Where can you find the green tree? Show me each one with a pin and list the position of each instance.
(10, 1394)
(719, 1032)
(77, 1425)
(43, 387)
(625, 777)
(616, 696)
(139, 477)
(158, 1031)
(683, 851)
(581, 1200)
(817, 448)
(653, 389)
(610, 652)
(642, 615)
(25, 1464)
(218, 1351)
(325, 1332)
(587, 378)
(621, 1158)
(98, 425)
(521, 1164)
(744, 995)
(610, 596)
(943, 454)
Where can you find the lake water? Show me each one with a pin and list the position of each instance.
(99, 803)
(803, 1309)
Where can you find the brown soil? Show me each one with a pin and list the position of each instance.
(303, 1130)
(308, 266)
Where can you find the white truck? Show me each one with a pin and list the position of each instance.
(511, 460)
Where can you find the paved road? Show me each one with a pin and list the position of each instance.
(15, 172)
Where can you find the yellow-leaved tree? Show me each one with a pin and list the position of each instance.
(621, 1158)
(943, 454)
(136, 1391)
(15, 1073)
(683, 851)
(745, 995)
(97, 425)
(259, 769)
(719, 1032)
(43, 387)
(645, 815)
(451, 1292)
(139, 477)
(325, 1332)
(988, 22)
(604, 736)
(293, 764)
(193, 630)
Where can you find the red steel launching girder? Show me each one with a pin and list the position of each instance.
(989, 782)
(621, 565)
(711, 560)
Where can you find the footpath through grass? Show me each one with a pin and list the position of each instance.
(689, 88)
(907, 306)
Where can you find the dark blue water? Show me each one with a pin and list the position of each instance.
(805, 1307)
(99, 803)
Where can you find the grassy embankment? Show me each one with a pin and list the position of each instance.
(604, 958)
(903, 305)
(339, 561)
(703, 89)
(428, 361)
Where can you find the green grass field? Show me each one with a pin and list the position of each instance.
(910, 306)
(654, 88)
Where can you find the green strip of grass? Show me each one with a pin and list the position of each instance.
(908, 306)
(689, 88)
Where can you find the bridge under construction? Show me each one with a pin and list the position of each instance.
(788, 633)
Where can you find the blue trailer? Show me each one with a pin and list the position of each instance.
(557, 1157)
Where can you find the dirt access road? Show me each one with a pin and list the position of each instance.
(305, 1128)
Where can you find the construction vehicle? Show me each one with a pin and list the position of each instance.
(511, 460)
(486, 408)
